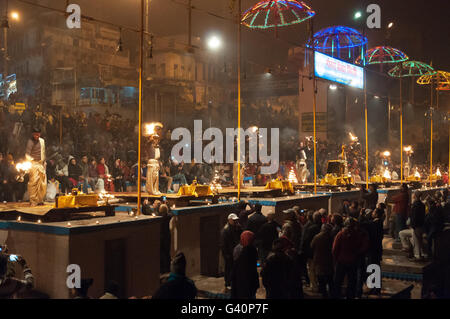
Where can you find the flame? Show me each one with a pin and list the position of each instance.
(438, 173)
(408, 149)
(353, 137)
(150, 128)
(387, 174)
(254, 129)
(417, 174)
(292, 178)
(24, 166)
(386, 153)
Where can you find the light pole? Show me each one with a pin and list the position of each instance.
(141, 75)
(357, 16)
(5, 26)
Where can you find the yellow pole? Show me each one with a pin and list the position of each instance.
(367, 141)
(239, 102)
(431, 150)
(401, 131)
(314, 107)
(141, 62)
(431, 135)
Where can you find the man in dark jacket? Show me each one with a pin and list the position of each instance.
(401, 209)
(348, 246)
(417, 220)
(256, 220)
(275, 272)
(244, 276)
(267, 235)
(177, 286)
(434, 223)
(229, 238)
(337, 222)
(370, 197)
(323, 259)
(309, 231)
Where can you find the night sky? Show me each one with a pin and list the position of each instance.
(421, 26)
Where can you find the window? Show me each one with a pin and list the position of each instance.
(175, 71)
(162, 69)
(152, 68)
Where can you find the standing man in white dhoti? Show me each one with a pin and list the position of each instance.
(37, 184)
(154, 154)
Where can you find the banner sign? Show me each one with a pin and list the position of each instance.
(339, 71)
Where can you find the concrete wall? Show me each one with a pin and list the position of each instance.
(46, 254)
(50, 247)
(189, 237)
(141, 263)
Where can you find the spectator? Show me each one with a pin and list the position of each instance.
(322, 260)
(9, 286)
(337, 223)
(370, 198)
(347, 249)
(177, 286)
(229, 239)
(267, 235)
(311, 230)
(415, 233)
(118, 177)
(256, 220)
(275, 272)
(244, 276)
(75, 174)
(82, 292)
(62, 175)
(111, 291)
(401, 208)
(93, 176)
(84, 165)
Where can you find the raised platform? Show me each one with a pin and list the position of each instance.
(48, 213)
(395, 263)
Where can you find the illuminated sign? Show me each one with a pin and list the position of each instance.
(338, 71)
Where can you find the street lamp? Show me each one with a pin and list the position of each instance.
(214, 43)
(15, 15)
(390, 25)
(358, 15)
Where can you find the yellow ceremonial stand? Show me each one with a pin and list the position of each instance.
(195, 190)
(77, 200)
(279, 184)
(379, 179)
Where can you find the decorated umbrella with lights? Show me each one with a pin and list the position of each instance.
(407, 69)
(380, 55)
(274, 14)
(337, 38)
(440, 79)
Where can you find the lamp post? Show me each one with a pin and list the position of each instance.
(141, 75)
(357, 16)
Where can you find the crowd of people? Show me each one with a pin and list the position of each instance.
(320, 250)
(99, 152)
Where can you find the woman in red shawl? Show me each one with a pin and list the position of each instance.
(244, 276)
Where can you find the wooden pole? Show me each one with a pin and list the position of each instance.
(141, 63)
